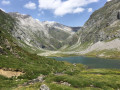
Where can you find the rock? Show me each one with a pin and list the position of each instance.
(8, 47)
(44, 87)
(66, 83)
(59, 74)
(74, 64)
(38, 79)
(91, 85)
(6, 56)
(11, 50)
(7, 42)
(1, 47)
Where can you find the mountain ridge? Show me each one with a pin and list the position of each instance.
(49, 33)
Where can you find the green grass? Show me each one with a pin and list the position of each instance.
(33, 66)
(90, 79)
(97, 79)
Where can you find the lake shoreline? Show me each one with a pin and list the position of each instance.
(92, 62)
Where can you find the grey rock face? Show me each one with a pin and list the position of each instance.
(44, 87)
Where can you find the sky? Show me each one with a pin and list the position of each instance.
(68, 12)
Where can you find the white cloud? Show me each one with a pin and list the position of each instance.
(78, 10)
(109, 0)
(49, 4)
(90, 10)
(30, 5)
(61, 8)
(5, 2)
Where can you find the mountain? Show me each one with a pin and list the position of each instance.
(100, 35)
(58, 26)
(42, 35)
(103, 24)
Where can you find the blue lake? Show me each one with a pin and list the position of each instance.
(92, 62)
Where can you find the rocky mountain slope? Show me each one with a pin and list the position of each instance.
(42, 35)
(103, 24)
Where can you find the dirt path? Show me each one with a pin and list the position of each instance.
(9, 74)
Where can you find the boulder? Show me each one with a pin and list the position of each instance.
(44, 87)
(66, 83)
(1, 47)
(41, 78)
(8, 47)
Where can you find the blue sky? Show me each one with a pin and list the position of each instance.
(67, 12)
